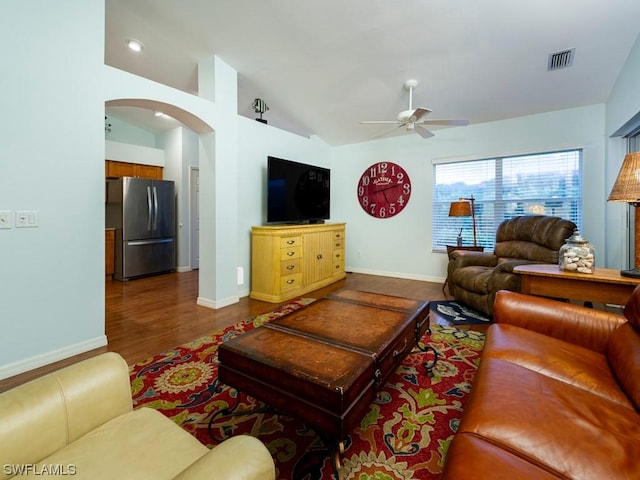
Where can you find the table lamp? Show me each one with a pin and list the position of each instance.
(465, 207)
(627, 189)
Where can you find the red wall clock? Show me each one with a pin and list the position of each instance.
(384, 189)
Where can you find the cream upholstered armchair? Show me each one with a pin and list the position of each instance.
(79, 422)
(475, 277)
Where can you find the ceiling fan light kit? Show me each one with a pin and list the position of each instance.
(413, 119)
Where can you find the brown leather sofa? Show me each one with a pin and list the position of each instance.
(556, 395)
(475, 277)
(78, 422)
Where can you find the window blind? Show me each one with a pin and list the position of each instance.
(505, 187)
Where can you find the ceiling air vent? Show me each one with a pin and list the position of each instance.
(561, 59)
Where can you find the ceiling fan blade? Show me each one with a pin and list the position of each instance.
(445, 122)
(418, 113)
(387, 122)
(423, 132)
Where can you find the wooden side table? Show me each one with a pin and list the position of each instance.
(604, 285)
(451, 248)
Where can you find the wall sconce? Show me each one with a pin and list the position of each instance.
(260, 106)
(465, 207)
(627, 189)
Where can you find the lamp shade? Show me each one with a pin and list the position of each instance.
(460, 208)
(627, 185)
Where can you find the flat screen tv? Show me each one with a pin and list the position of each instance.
(296, 192)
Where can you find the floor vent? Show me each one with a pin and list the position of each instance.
(561, 59)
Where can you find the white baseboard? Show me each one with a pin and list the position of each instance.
(183, 269)
(215, 304)
(38, 361)
(407, 276)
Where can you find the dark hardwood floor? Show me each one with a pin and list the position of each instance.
(147, 316)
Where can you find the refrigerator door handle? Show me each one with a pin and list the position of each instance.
(148, 208)
(136, 243)
(155, 209)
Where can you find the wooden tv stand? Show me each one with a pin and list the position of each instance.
(291, 260)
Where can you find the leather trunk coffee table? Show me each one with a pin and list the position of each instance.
(324, 362)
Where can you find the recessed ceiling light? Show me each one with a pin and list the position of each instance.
(135, 45)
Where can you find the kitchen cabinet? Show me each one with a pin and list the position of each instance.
(109, 249)
(292, 260)
(115, 169)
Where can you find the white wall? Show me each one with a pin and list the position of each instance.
(401, 245)
(52, 161)
(127, 152)
(124, 132)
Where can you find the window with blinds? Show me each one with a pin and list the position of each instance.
(535, 184)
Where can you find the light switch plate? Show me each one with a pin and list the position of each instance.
(26, 218)
(5, 218)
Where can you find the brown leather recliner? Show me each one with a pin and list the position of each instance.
(475, 277)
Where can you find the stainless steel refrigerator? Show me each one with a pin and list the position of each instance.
(142, 211)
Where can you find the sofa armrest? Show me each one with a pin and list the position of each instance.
(579, 325)
(507, 266)
(466, 258)
(238, 458)
(44, 415)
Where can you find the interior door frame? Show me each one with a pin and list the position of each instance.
(194, 244)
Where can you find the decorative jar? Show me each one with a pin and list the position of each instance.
(577, 255)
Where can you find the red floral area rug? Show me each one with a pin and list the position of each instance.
(404, 435)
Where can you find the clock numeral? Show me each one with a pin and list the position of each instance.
(373, 209)
(406, 188)
(379, 169)
(400, 177)
(401, 200)
(365, 181)
(365, 201)
(392, 209)
(360, 191)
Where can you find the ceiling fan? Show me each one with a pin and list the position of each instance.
(413, 118)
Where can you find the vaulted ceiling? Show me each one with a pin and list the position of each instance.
(325, 66)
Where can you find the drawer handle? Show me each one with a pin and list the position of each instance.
(337, 267)
(290, 267)
(337, 244)
(418, 327)
(397, 353)
(290, 281)
(337, 255)
(291, 253)
(290, 242)
(319, 256)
